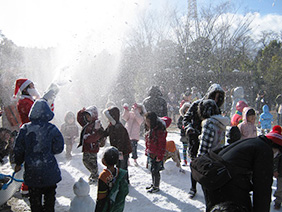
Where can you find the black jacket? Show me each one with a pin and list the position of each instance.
(180, 126)
(191, 118)
(254, 158)
(155, 102)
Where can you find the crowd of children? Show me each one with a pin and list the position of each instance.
(201, 124)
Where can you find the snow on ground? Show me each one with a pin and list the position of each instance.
(172, 197)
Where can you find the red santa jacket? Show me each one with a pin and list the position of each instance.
(24, 105)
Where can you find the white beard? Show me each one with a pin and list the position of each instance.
(34, 93)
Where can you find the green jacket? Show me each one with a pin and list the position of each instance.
(116, 198)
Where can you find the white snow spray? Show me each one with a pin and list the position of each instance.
(85, 63)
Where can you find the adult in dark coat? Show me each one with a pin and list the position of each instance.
(155, 102)
(253, 158)
(192, 124)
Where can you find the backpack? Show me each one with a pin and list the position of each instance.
(210, 170)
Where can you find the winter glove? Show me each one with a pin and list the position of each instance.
(125, 106)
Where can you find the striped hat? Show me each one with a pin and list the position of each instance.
(275, 135)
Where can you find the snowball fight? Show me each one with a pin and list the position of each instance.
(112, 106)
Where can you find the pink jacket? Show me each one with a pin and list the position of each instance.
(133, 122)
(247, 129)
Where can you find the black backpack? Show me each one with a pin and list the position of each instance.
(211, 171)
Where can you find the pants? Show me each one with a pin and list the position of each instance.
(279, 117)
(134, 144)
(123, 164)
(35, 198)
(278, 192)
(184, 140)
(155, 168)
(193, 151)
(90, 162)
(68, 149)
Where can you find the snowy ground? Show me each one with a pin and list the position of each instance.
(172, 197)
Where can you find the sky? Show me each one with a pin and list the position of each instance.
(42, 23)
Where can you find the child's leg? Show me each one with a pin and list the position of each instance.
(123, 164)
(185, 146)
(68, 150)
(35, 199)
(134, 144)
(278, 192)
(49, 198)
(90, 162)
(155, 170)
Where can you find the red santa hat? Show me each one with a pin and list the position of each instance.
(21, 84)
(275, 135)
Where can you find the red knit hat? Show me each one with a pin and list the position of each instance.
(21, 84)
(275, 135)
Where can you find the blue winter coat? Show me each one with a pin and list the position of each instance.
(265, 118)
(36, 145)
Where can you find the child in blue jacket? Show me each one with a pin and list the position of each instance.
(265, 119)
(35, 146)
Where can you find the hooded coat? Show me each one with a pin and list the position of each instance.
(133, 122)
(254, 160)
(155, 140)
(36, 145)
(90, 138)
(191, 118)
(155, 102)
(247, 129)
(237, 95)
(192, 121)
(69, 130)
(237, 117)
(265, 118)
(117, 133)
(180, 126)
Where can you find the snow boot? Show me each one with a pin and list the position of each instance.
(185, 163)
(192, 193)
(154, 190)
(149, 187)
(24, 190)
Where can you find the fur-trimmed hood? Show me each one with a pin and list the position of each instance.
(68, 116)
(183, 108)
(207, 108)
(238, 92)
(93, 111)
(213, 89)
(155, 91)
(112, 115)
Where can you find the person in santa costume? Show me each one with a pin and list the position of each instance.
(28, 95)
